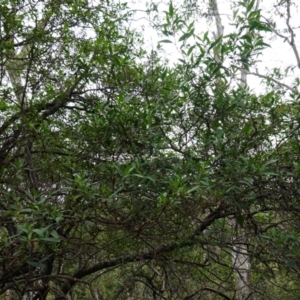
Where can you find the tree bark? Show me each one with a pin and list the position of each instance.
(240, 257)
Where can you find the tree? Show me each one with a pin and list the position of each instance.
(121, 172)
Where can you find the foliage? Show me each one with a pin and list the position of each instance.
(120, 173)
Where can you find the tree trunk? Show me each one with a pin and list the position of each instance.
(240, 258)
(240, 262)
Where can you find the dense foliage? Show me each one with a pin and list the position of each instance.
(126, 177)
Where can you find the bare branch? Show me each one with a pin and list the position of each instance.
(274, 80)
(190, 296)
(292, 40)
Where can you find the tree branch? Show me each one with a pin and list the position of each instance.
(66, 288)
(274, 80)
(190, 296)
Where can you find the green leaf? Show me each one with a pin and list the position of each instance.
(261, 43)
(6, 28)
(186, 36)
(58, 219)
(35, 264)
(3, 105)
(27, 210)
(23, 228)
(267, 237)
(247, 37)
(168, 33)
(144, 177)
(165, 41)
(55, 234)
(171, 9)
(195, 188)
(255, 25)
(191, 50)
(235, 13)
(90, 223)
(214, 43)
(49, 239)
(254, 15)
(129, 169)
(191, 26)
(39, 232)
(290, 263)
(205, 37)
(250, 5)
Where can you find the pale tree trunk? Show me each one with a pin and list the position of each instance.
(28, 296)
(240, 257)
(240, 262)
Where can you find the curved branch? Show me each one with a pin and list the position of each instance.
(292, 40)
(216, 214)
(273, 80)
(190, 296)
(207, 289)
